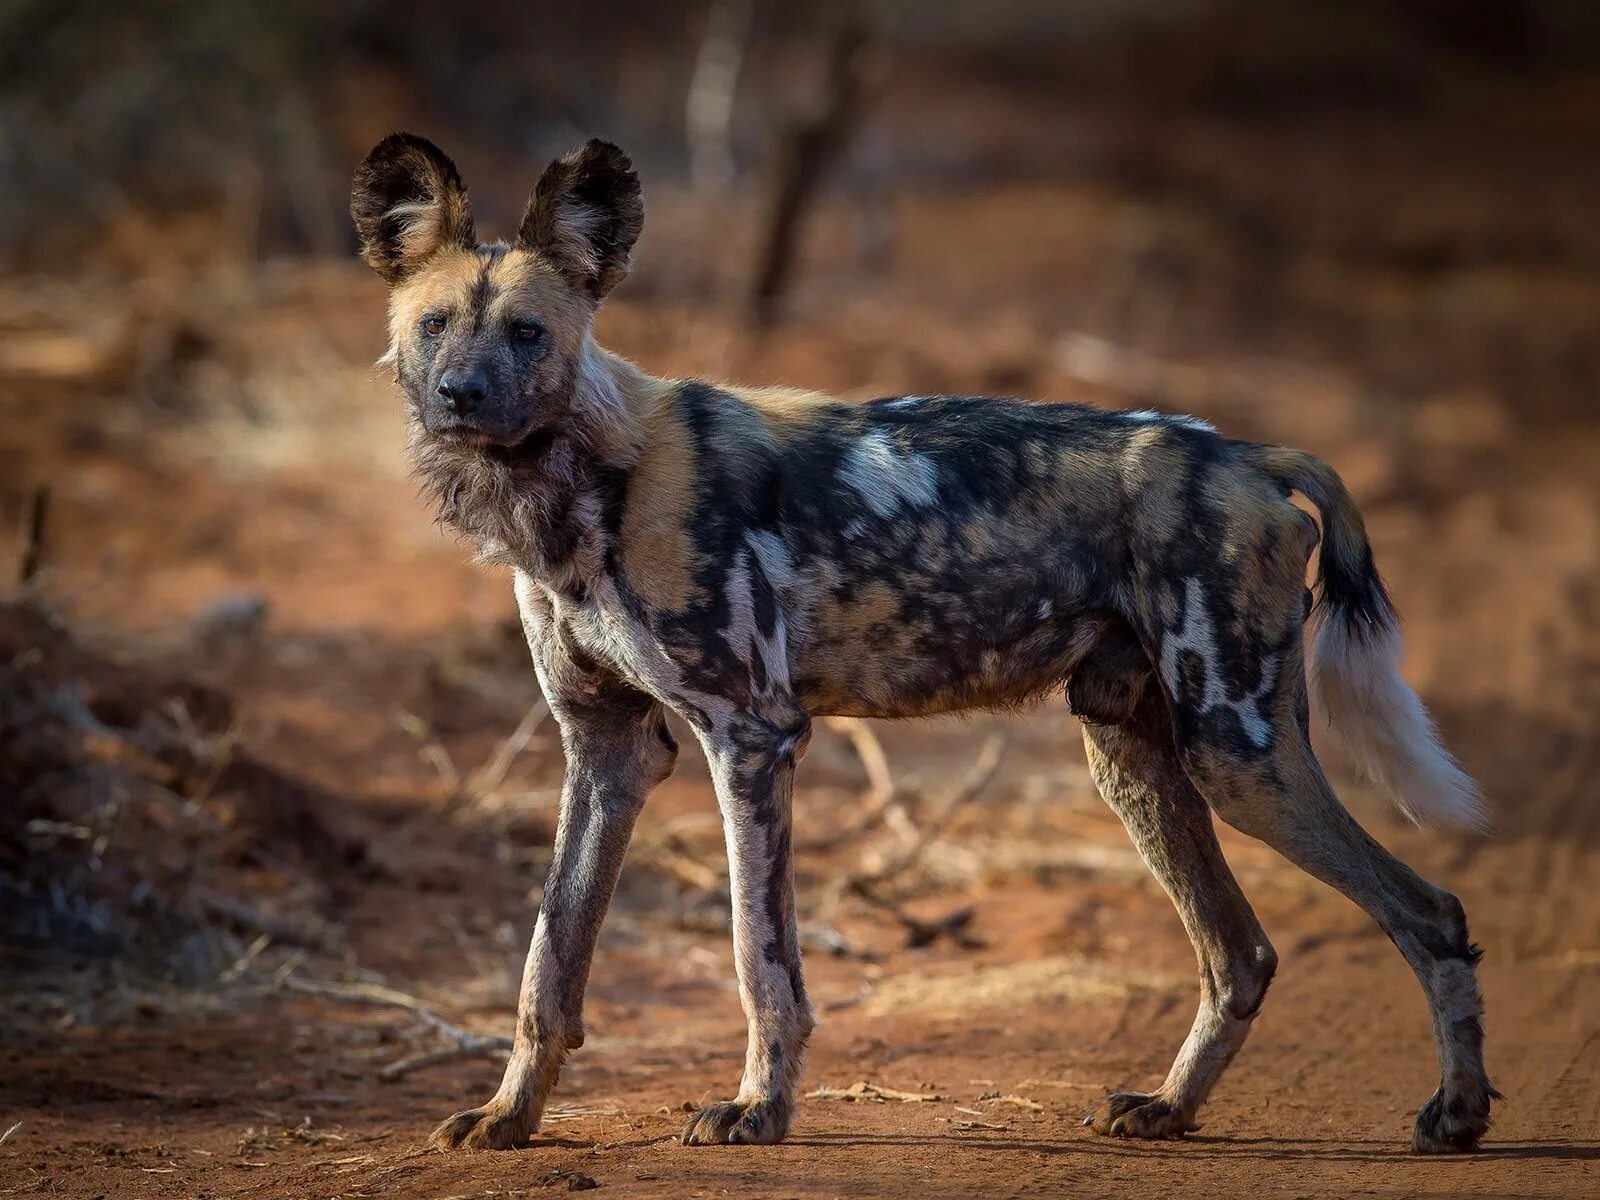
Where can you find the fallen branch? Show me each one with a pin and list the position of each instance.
(971, 786)
(882, 795)
(474, 1047)
(1014, 1100)
(920, 933)
(314, 935)
(671, 855)
(466, 1045)
(377, 993)
(870, 751)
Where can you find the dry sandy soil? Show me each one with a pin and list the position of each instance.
(384, 667)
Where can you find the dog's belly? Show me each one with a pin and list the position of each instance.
(929, 666)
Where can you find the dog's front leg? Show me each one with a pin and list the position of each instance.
(752, 762)
(617, 748)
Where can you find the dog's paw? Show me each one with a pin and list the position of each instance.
(1138, 1115)
(743, 1122)
(1453, 1125)
(491, 1127)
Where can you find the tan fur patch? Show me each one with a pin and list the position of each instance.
(657, 548)
(444, 286)
(1153, 472)
(785, 411)
(866, 637)
(527, 286)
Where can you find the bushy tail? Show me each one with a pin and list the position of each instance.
(1355, 661)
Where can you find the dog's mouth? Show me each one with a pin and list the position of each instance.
(470, 435)
(460, 433)
(524, 446)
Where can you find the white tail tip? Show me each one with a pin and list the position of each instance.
(1356, 681)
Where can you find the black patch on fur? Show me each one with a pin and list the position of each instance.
(1106, 687)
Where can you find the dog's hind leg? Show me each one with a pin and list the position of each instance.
(1136, 767)
(1290, 806)
(1236, 672)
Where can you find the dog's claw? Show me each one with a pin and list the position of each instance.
(486, 1128)
(745, 1122)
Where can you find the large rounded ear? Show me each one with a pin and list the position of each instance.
(408, 203)
(585, 215)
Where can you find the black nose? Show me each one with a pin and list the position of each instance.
(462, 390)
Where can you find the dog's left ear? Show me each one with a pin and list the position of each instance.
(585, 215)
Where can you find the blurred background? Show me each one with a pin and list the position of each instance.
(278, 786)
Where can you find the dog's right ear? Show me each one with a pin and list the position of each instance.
(408, 203)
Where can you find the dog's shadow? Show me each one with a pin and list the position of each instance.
(1196, 1146)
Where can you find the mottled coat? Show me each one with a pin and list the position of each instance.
(751, 558)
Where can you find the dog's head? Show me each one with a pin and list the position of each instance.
(487, 340)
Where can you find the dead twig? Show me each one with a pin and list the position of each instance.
(920, 933)
(872, 1093)
(465, 1044)
(882, 795)
(880, 781)
(314, 935)
(673, 856)
(431, 750)
(978, 777)
(557, 1113)
(1012, 1099)
(377, 993)
(487, 779)
(33, 544)
(216, 753)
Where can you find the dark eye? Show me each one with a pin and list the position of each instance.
(527, 331)
(433, 326)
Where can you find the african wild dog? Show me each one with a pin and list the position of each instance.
(748, 559)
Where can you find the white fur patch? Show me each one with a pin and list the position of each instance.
(773, 556)
(885, 478)
(1198, 636)
(421, 226)
(744, 636)
(572, 232)
(1355, 677)
(1148, 416)
(596, 392)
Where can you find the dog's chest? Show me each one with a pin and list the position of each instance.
(600, 627)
